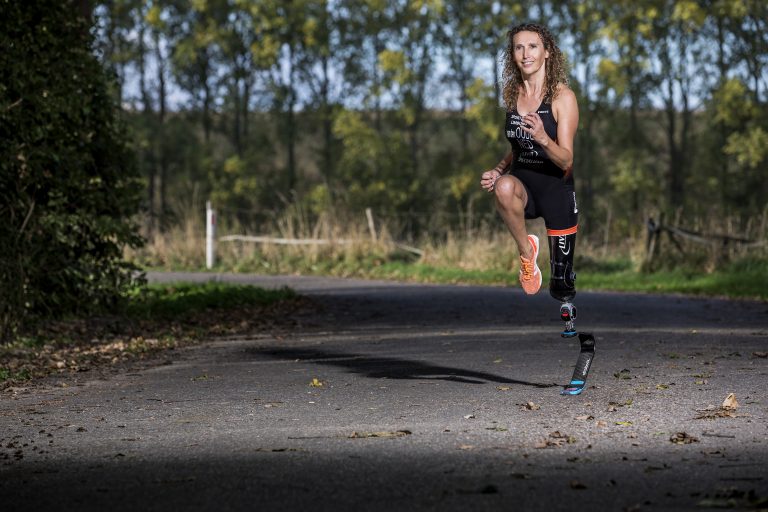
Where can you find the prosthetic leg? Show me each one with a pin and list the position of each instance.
(562, 287)
(562, 281)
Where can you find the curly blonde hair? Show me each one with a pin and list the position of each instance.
(512, 78)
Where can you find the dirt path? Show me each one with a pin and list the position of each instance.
(407, 397)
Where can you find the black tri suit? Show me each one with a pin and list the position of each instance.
(551, 195)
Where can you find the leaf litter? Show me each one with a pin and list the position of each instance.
(726, 410)
(683, 438)
(555, 439)
(383, 434)
(529, 406)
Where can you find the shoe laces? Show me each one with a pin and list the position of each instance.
(527, 268)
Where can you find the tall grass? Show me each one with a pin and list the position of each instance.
(480, 251)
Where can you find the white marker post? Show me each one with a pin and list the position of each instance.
(210, 235)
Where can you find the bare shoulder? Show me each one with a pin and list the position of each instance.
(565, 102)
(565, 96)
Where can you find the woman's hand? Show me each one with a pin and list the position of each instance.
(535, 127)
(488, 179)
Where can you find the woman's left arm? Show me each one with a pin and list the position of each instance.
(566, 112)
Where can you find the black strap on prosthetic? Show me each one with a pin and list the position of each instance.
(562, 281)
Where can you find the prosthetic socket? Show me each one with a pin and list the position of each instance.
(562, 283)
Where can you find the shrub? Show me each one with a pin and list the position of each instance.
(68, 185)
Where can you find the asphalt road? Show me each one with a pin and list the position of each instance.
(424, 398)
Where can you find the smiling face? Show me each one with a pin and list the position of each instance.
(530, 54)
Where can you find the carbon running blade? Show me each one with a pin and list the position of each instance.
(583, 364)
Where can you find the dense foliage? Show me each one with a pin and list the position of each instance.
(393, 104)
(68, 184)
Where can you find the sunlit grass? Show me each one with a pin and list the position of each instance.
(484, 255)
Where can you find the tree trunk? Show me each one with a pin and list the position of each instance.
(86, 9)
(327, 122)
(162, 95)
(290, 135)
(149, 161)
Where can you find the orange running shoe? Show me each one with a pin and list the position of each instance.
(530, 275)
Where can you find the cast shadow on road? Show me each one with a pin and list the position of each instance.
(377, 367)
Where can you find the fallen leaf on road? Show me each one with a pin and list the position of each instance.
(730, 402)
(469, 416)
(585, 417)
(662, 386)
(503, 388)
(575, 484)
(602, 423)
(624, 423)
(529, 406)
(316, 383)
(497, 360)
(760, 354)
(623, 374)
(683, 438)
(726, 410)
(365, 435)
(555, 439)
(466, 447)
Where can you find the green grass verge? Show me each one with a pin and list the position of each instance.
(157, 301)
(750, 281)
(746, 278)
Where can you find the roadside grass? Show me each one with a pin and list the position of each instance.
(163, 301)
(734, 282)
(154, 318)
(743, 279)
(480, 255)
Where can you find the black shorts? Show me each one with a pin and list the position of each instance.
(553, 199)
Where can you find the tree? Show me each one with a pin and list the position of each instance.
(68, 189)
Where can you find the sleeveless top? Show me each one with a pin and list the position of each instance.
(529, 155)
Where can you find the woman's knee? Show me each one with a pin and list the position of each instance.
(508, 189)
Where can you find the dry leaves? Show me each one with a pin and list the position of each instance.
(316, 383)
(730, 402)
(529, 406)
(388, 434)
(623, 374)
(78, 345)
(726, 410)
(683, 438)
(555, 439)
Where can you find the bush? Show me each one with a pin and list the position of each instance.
(68, 185)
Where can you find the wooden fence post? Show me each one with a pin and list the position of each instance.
(371, 225)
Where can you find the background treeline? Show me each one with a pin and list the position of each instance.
(394, 105)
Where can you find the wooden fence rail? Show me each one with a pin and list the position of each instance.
(655, 231)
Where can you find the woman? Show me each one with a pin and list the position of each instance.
(535, 179)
